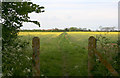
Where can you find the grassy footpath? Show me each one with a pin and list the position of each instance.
(75, 58)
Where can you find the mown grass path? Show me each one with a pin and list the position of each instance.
(61, 44)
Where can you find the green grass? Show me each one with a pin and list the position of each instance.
(63, 55)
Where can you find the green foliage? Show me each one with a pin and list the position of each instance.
(109, 51)
(72, 29)
(78, 29)
(14, 58)
(13, 15)
(16, 61)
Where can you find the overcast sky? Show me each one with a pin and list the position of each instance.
(88, 14)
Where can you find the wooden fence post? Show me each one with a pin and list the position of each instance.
(36, 54)
(91, 54)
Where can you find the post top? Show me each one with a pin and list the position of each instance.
(91, 37)
(36, 42)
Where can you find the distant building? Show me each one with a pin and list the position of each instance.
(107, 28)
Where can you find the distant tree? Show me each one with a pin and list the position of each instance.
(56, 29)
(89, 29)
(72, 28)
(66, 29)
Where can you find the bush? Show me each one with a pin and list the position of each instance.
(16, 61)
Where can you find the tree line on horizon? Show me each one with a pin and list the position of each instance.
(71, 29)
(58, 30)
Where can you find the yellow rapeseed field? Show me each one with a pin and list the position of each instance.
(39, 33)
(88, 34)
(55, 34)
(92, 32)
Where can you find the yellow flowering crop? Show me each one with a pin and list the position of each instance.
(39, 33)
(92, 32)
(70, 33)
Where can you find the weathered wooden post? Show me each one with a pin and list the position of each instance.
(91, 54)
(36, 54)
